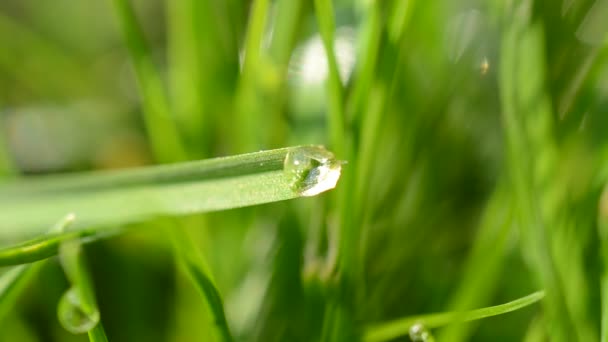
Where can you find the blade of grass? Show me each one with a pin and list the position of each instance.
(247, 105)
(523, 99)
(339, 318)
(47, 246)
(186, 71)
(162, 132)
(367, 56)
(66, 76)
(325, 17)
(115, 198)
(166, 143)
(192, 261)
(75, 268)
(400, 327)
(14, 281)
(603, 235)
(485, 262)
(289, 17)
(7, 168)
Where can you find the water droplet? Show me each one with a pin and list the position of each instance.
(419, 333)
(312, 170)
(73, 316)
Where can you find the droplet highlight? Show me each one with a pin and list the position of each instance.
(312, 170)
(72, 314)
(419, 333)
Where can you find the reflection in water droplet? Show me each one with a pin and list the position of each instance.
(312, 170)
(73, 316)
(419, 333)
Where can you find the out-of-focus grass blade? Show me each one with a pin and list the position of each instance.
(193, 263)
(162, 130)
(485, 262)
(325, 17)
(6, 166)
(603, 235)
(247, 107)
(532, 159)
(400, 327)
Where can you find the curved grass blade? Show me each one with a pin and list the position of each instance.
(13, 281)
(104, 199)
(77, 310)
(400, 327)
(194, 264)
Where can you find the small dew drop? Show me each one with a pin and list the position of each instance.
(73, 316)
(312, 170)
(419, 333)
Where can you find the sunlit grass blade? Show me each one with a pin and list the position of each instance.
(116, 198)
(401, 327)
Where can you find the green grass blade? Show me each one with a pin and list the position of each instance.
(98, 334)
(247, 106)
(116, 198)
(13, 281)
(79, 313)
(367, 54)
(191, 260)
(7, 168)
(603, 235)
(401, 327)
(162, 130)
(485, 263)
(325, 17)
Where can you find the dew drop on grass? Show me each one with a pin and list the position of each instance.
(312, 170)
(73, 316)
(419, 333)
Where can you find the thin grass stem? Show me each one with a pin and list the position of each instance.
(15, 280)
(77, 310)
(390, 330)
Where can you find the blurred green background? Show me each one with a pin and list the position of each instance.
(476, 135)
